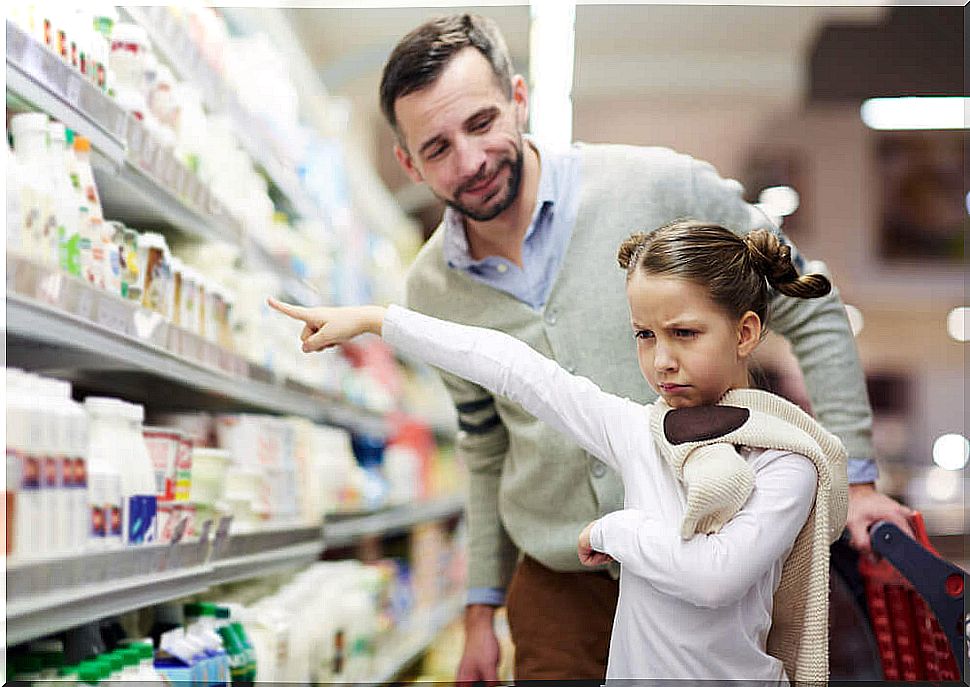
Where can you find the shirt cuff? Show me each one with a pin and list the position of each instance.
(489, 596)
(596, 536)
(862, 470)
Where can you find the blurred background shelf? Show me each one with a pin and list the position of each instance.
(107, 344)
(140, 181)
(344, 530)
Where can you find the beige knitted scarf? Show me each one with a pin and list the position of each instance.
(698, 443)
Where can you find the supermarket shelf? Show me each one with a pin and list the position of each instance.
(37, 76)
(65, 324)
(56, 593)
(339, 531)
(266, 551)
(416, 641)
(140, 182)
(174, 46)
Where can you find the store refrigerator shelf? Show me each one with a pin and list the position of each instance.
(61, 325)
(252, 554)
(345, 530)
(173, 44)
(140, 182)
(53, 594)
(37, 76)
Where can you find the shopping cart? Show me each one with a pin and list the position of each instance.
(916, 606)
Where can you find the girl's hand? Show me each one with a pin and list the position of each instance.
(327, 327)
(587, 556)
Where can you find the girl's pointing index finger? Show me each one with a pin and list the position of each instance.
(294, 311)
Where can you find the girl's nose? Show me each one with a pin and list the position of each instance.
(663, 360)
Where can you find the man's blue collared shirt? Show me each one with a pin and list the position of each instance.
(545, 241)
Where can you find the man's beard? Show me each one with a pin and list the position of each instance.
(512, 191)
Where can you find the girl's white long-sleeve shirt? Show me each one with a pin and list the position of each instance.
(694, 609)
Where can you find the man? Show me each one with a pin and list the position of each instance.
(528, 246)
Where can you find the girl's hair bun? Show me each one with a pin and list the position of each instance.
(772, 259)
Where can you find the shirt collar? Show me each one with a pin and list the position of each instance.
(456, 250)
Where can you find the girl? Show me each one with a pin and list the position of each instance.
(762, 484)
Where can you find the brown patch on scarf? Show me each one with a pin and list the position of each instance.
(702, 423)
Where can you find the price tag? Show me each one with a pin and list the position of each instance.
(85, 304)
(204, 532)
(114, 314)
(221, 536)
(202, 197)
(179, 531)
(136, 139)
(73, 89)
(52, 73)
(33, 58)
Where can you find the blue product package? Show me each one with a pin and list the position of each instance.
(141, 522)
(174, 670)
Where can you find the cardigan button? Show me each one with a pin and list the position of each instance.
(598, 469)
(551, 317)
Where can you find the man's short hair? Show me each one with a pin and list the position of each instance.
(419, 58)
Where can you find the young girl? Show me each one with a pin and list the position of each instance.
(762, 485)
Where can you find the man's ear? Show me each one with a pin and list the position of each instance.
(520, 97)
(749, 334)
(407, 163)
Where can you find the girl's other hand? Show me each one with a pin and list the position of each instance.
(587, 556)
(327, 327)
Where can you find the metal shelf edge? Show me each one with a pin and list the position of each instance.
(37, 321)
(345, 532)
(34, 618)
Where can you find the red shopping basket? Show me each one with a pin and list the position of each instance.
(916, 605)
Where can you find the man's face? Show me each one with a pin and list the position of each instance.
(462, 137)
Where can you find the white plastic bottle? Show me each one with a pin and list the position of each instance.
(80, 513)
(129, 56)
(89, 190)
(15, 216)
(30, 143)
(58, 475)
(104, 477)
(68, 209)
(138, 479)
(27, 512)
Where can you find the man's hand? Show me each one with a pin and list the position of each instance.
(327, 327)
(868, 506)
(587, 556)
(481, 656)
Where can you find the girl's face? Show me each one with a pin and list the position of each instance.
(690, 351)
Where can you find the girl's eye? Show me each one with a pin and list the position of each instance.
(643, 334)
(685, 333)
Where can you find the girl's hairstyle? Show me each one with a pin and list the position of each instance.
(736, 270)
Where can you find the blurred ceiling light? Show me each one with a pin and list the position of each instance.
(956, 323)
(951, 451)
(942, 485)
(551, 52)
(856, 320)
(779, 201)
(915, 113)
